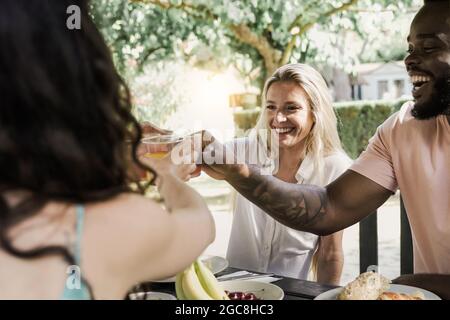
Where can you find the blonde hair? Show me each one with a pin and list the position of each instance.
(323, 140)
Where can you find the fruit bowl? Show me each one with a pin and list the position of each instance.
(261, 290)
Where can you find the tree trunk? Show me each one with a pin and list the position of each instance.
(270, 55)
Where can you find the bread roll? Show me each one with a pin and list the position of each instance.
(367, 286)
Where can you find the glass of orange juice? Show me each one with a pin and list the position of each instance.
(159, 146)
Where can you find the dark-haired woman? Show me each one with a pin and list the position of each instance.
(67, 211)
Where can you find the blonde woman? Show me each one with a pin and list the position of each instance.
(298, 116)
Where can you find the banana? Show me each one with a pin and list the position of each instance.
(192, 288)
(209, 281)
(179, 287)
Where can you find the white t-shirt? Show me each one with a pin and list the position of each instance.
(260, 243)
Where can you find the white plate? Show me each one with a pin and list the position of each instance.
(215, 263)
(262, 290)
(398, 288)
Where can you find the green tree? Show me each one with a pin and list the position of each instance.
(156, 91)
(256, 35)
(138, 33)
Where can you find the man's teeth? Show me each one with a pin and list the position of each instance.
(419, 79)
(283, 130)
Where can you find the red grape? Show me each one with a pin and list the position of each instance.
(241, 296)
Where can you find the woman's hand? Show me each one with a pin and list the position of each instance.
(180, 162)
(148, 129)
(165, 166)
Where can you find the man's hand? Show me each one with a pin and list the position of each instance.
(218, 161)
(212, 173)
(406, 279)
(436, 283)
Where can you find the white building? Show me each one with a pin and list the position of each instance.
(373, 81)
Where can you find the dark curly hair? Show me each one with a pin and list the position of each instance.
(65, 115)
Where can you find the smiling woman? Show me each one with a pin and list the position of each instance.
(297, 98)
(288, 114)
(303, 147)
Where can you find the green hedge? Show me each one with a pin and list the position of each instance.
(357, 121)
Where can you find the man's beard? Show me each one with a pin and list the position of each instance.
(438, 104)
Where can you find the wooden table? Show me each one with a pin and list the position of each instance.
(294, 289)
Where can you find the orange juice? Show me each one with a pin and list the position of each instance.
(158, 147)
(156, 155)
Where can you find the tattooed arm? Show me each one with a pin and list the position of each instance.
(320, 210)
(347, 200)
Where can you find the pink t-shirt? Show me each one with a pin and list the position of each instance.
(414, 156)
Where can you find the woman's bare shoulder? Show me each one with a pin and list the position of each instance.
(125, 231)
(126, 203)
(128, 212)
